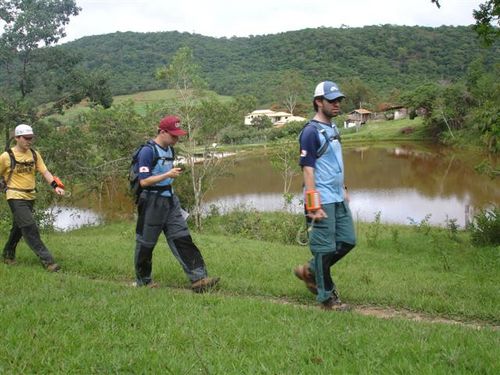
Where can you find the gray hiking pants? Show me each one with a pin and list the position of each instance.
(24, 225)
(163, 214)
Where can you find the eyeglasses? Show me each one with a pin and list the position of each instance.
(27, 138)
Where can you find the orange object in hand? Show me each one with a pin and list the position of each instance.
(58, 182)
(313, 202)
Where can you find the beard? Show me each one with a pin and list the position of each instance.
(329, 113)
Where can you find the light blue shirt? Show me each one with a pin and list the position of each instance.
(329, 168)
(163, 165)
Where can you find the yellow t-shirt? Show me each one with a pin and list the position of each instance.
(24, 174)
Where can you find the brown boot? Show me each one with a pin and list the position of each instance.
(204, 284)
(334, 303)
(54, 267)
(9, 261)
(304, 274)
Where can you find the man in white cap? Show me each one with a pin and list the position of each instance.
(330, 222)
(17, 169)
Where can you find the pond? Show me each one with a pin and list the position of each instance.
(405, 184)
(68, 218)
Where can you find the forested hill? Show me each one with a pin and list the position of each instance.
(384, 57)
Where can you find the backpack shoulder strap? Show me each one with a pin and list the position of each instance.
(156, 155)
(35, 156)
(12, 164)
(321, 131)
(13, 160)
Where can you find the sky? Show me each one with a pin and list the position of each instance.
(228, 18)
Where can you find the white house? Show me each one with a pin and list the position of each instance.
(277, 118)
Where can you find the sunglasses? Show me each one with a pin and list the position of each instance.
(27, 138)
(338, 100)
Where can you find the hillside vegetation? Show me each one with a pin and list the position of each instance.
(386, 58)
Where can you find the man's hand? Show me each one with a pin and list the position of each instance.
(174, 172)
(347, 198)
(59, 191)
(317, 215)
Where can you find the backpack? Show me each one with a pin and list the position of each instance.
(13, 162)
(133, 175)
(321, 131)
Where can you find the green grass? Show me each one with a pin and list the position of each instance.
(140, 100)
(387, 131)
(262, 320)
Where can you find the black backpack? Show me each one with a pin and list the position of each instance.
(13, 162)
(133, 175)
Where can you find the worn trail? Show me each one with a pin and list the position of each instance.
(365, 309)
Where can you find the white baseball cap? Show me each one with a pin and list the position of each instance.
(329, 90)
(23, 129)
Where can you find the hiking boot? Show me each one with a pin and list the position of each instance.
(151, 285)
(54, 267)
(334, 303)
(304, 274)
(9, 261)
(204, 284)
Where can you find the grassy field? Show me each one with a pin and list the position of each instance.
(87, 319)
(387, 131)
(140, 100)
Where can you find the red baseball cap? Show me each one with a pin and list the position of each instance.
(172, 125)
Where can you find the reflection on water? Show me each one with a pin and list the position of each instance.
(68, 218)
(365, 204)
(405, 206)
(404, 183)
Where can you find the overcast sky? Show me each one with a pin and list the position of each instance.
(229, 18)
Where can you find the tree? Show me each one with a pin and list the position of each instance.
(28, 24)
(486, 17)
(37, 72)
(437, 3)
(216, 115)
(184, 75)
(358, 94)
(293, 86)
(284, 159)
(488, 21)
(262, 122)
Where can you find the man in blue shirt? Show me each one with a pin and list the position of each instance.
(159, 211)
(329, 218)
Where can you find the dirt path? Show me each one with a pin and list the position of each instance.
(366, 310)
(390, 313)
(393, 313)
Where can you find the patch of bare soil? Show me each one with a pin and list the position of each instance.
(390, 313)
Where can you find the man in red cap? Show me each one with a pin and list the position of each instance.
(160, 211)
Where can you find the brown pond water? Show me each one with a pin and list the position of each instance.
(405, 184)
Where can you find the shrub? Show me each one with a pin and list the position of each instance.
(249, 223)
(485, 229)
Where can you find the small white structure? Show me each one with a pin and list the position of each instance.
(277, 118)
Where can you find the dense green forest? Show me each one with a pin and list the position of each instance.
(388, 59)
